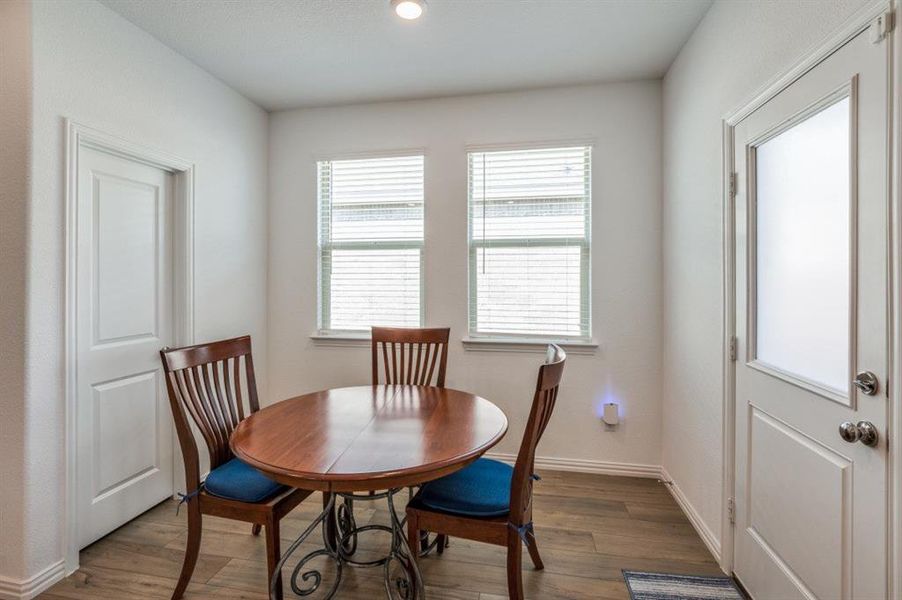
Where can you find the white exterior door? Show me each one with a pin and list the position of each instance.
(124, 316)
(811, 312)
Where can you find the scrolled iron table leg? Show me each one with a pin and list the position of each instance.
(408, 585)
(347, 527)
(347, 541)
(312, 574)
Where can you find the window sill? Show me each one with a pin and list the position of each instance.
(341, 340)
(489, 344)
(472, 344)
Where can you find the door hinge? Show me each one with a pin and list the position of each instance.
(881, 26)
(732, 185)
(731, 510)
(732, 347)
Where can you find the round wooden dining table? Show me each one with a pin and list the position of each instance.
(365, 443)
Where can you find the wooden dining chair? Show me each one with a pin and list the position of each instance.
(410, 356)
(489, 501)
(210, 382)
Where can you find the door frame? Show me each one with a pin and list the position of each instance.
(80, 136)
(856, 24)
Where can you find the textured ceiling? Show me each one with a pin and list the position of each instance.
(290, 53)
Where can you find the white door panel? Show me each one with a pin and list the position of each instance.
(126, 253)
(124, 316)
(811, 311)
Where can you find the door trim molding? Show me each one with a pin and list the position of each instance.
(80, 136)
(810, 59)
(728, 350)
(894, 485)
(857, 23)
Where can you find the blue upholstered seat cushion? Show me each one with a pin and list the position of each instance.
(482, 489)
(236, 480)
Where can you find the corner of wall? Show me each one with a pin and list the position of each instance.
(710, 539)
(15, 191)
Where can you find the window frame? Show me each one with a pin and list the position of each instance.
(324, 247)
(507, 340)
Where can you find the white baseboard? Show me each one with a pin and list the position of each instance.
(11, 589)
(580, 465)
(704, 532)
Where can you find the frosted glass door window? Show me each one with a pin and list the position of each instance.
(803, 225)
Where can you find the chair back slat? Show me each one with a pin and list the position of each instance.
(207, 386)
(203, 401)
(180, 394)
(236, 364)
(220, 382)
(214, 405)
(410, 356)
(543, 403)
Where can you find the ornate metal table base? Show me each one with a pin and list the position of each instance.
(408, 585)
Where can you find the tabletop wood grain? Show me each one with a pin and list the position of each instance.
(369, 437)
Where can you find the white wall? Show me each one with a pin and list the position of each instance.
(96, 68)
(15, 121)
(624, 121)
(737, 48)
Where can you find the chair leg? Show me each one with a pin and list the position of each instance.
(514, 567)
(255, 529)
(273, 553)
(413, 545)
(533, 548)
(413, 534)
(192, 549)
(440, 543)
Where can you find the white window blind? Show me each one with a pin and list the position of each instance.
(370, 243)
(529, 230)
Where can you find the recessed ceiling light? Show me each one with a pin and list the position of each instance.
(409, 9)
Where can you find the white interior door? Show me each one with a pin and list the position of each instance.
(811, 313)
(124, 316)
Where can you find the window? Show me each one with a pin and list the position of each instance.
(370, 243)
(529, 230)
(802, 240)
